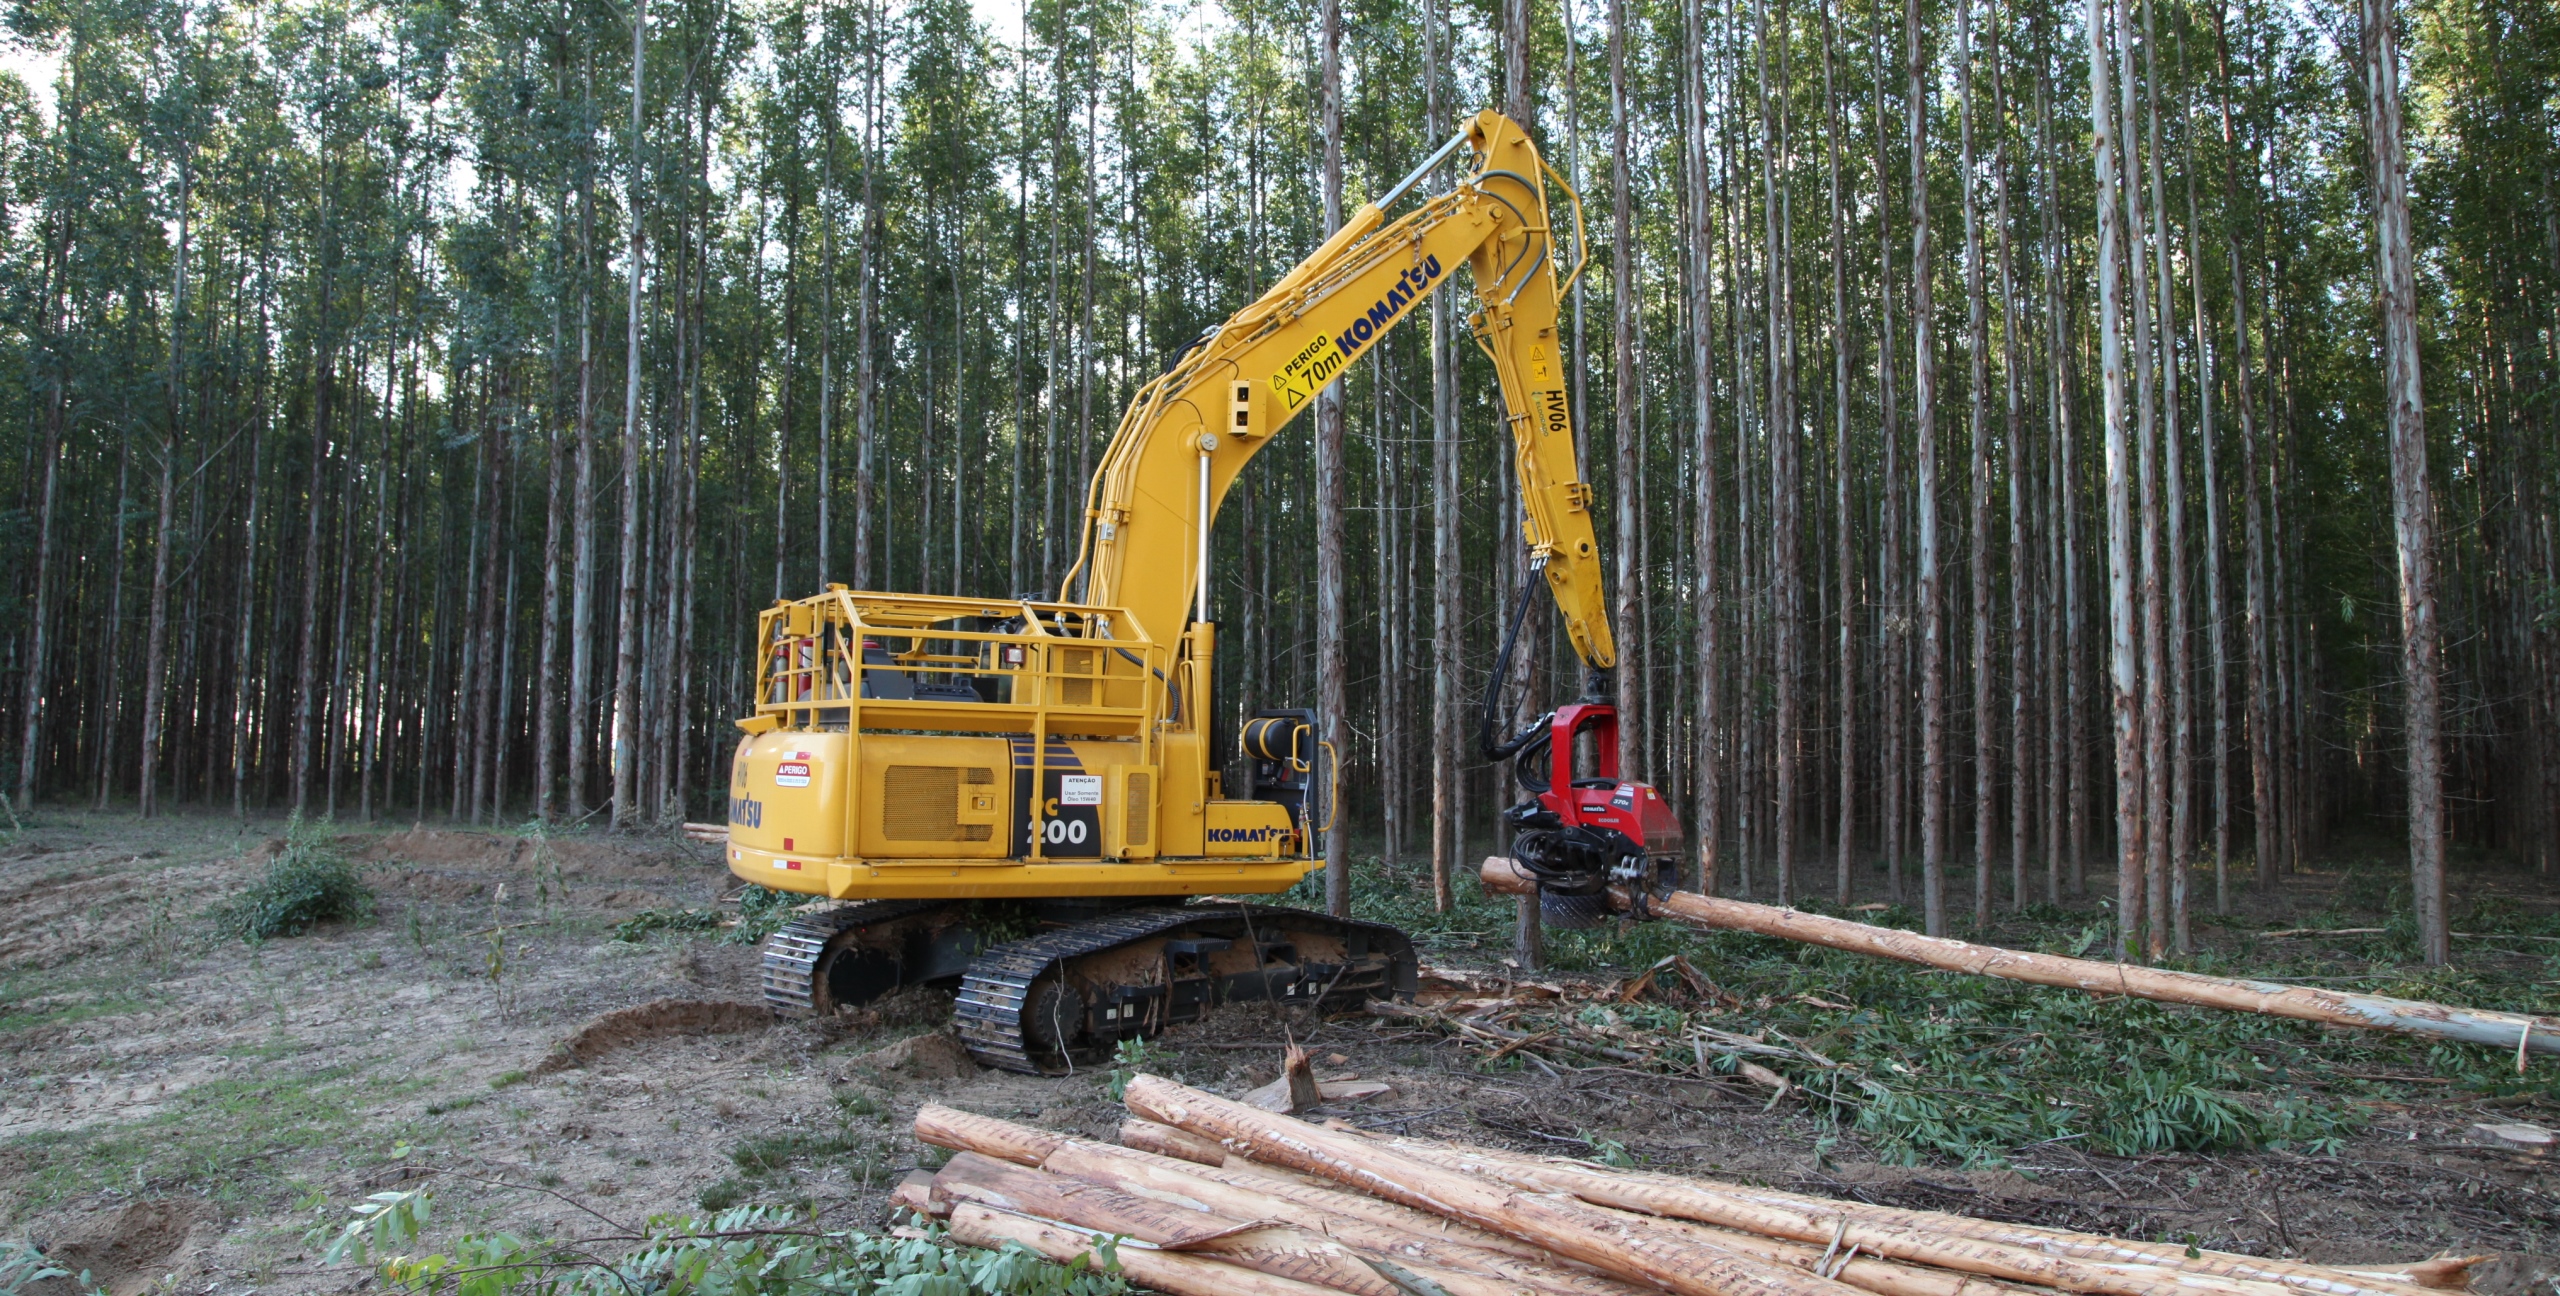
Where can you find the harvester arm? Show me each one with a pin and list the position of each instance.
(1189, 433)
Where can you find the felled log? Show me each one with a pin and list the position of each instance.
(1630, 1246)
(950, 1127)
(1376, 1229)
(1260, 1245)
(1168, 1271)
(2446, 1273)
(1845, 1263)
(2508, 1032)
(1241, 1186)
(2017, 1252)
(1165, 1140)
(1176, 1204)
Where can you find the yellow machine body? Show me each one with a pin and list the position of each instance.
(922, 747)
(867, 773)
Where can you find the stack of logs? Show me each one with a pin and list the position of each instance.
(1210, 1197)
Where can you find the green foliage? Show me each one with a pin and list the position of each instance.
(1933, 1066)
(309, 883)
(224, 1136)
(760, 911)
(1128, 1058)
(736, 1251)
(773, 1153)
(378, 1223)
(22, 1266)
(1611, 1152)
(722, 1194)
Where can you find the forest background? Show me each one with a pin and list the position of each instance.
(410, 404)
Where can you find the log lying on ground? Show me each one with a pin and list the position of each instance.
(1257, 1218)
(1165, 1140)
(1462, 1221)
(950, 1127)
(1236, 1186)
(1375, 1228)
(1277, 1249)
(1169, 1271)
(2448, 1273)
(1631, 1246)
(2013, 1251)
(2510, 1032)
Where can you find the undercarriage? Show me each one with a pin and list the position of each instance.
(1045, 987)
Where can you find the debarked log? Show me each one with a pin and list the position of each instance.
(1167, 1271)
(2508, 1032)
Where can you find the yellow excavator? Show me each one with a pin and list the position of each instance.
(1024, 797)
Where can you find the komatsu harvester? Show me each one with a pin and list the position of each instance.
(1023, 797)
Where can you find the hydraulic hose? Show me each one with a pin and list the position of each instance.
(1494, 751)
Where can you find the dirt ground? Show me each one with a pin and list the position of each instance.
(181, 1112)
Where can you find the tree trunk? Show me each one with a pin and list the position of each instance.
(2066, 816)
(242, 730)
(1978, 461)
(2124, 703)
(1843, 524)
(2147, 899)
(48, 467)
(306, 672)
(865, 382)
(826, 338)
(2013, 434)
(155, 666)
(2412, 504)
(1786, 575)
(1625, 406)
(1331, 605)
(2172, 855)
(1893, 624)
(1527, 939)
(626, 674)
(1708, 783)
(546, 678)
(1924, 414)
(1446, 615)
(2208, 455)
(582, 567)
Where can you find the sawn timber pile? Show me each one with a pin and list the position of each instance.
(1212, 1197)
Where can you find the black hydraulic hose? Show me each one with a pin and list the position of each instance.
(1494, 751)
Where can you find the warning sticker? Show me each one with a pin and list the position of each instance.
(1306, 373)
(791, 774)
(1080, 790)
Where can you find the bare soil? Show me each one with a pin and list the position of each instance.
(181, 1112)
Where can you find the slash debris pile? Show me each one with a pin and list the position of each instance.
(1211, 1197)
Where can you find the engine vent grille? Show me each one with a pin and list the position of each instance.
(921, 803)
(1141, 809)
